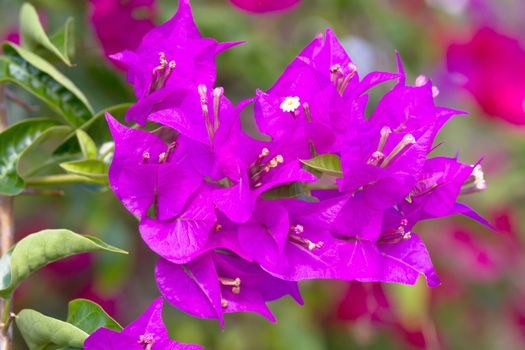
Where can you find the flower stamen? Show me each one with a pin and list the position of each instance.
(294, 237)
(161, 73)
(218, 93)
(203, 93)
(344, 82)
(234, 283)
(145, 157)
(396, 235)
(378, 156)
(259, 168)
(147, 340)
(307, 113)
(407, 140)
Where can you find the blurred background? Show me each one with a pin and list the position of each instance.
(471, 49)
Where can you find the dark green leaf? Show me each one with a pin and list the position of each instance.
(33, 35)
(327, 163)
(14, 142)
(31, 72)
(42, 332)
(41, 248)
(89, 316)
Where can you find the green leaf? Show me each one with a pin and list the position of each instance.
(14, 142)
(41, 248)
(293, 190)
(327, 163)
(64, 39)
(40, 154)
(89, 316)
(33, 73)
(87, 145)
(96, 126)
(33, 35)
(92, 168)
(42, 332)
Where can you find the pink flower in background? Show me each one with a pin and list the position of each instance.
(493, 65)
(120, 25)
(261, 6)
(12, 35)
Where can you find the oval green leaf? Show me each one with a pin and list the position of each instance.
(34, 74)
(14, 142)
(89, 316)
(327, 163)
(42, 332)
(39, 249)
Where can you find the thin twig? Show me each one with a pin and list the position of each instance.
(41, 192)
(13, 97)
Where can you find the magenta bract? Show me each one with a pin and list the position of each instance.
(146, 332)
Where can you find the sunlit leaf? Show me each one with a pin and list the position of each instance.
(92, 168)
(87, 145)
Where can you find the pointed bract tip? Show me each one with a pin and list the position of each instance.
(113, 123)
(221, 47)
(400, 69)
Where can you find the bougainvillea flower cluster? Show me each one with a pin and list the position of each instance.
(145, 333)
(330, 193)
(491, 64)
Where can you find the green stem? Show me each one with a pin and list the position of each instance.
(6, 313)
(7, 233)
(59, 180)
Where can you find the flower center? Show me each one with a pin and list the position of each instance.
(379, 158)
(259, 168)
(290, 104)
(294, 236)
(339, 79)
(147, 340)
(161, 73)
(395, 235)
(476, 181)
